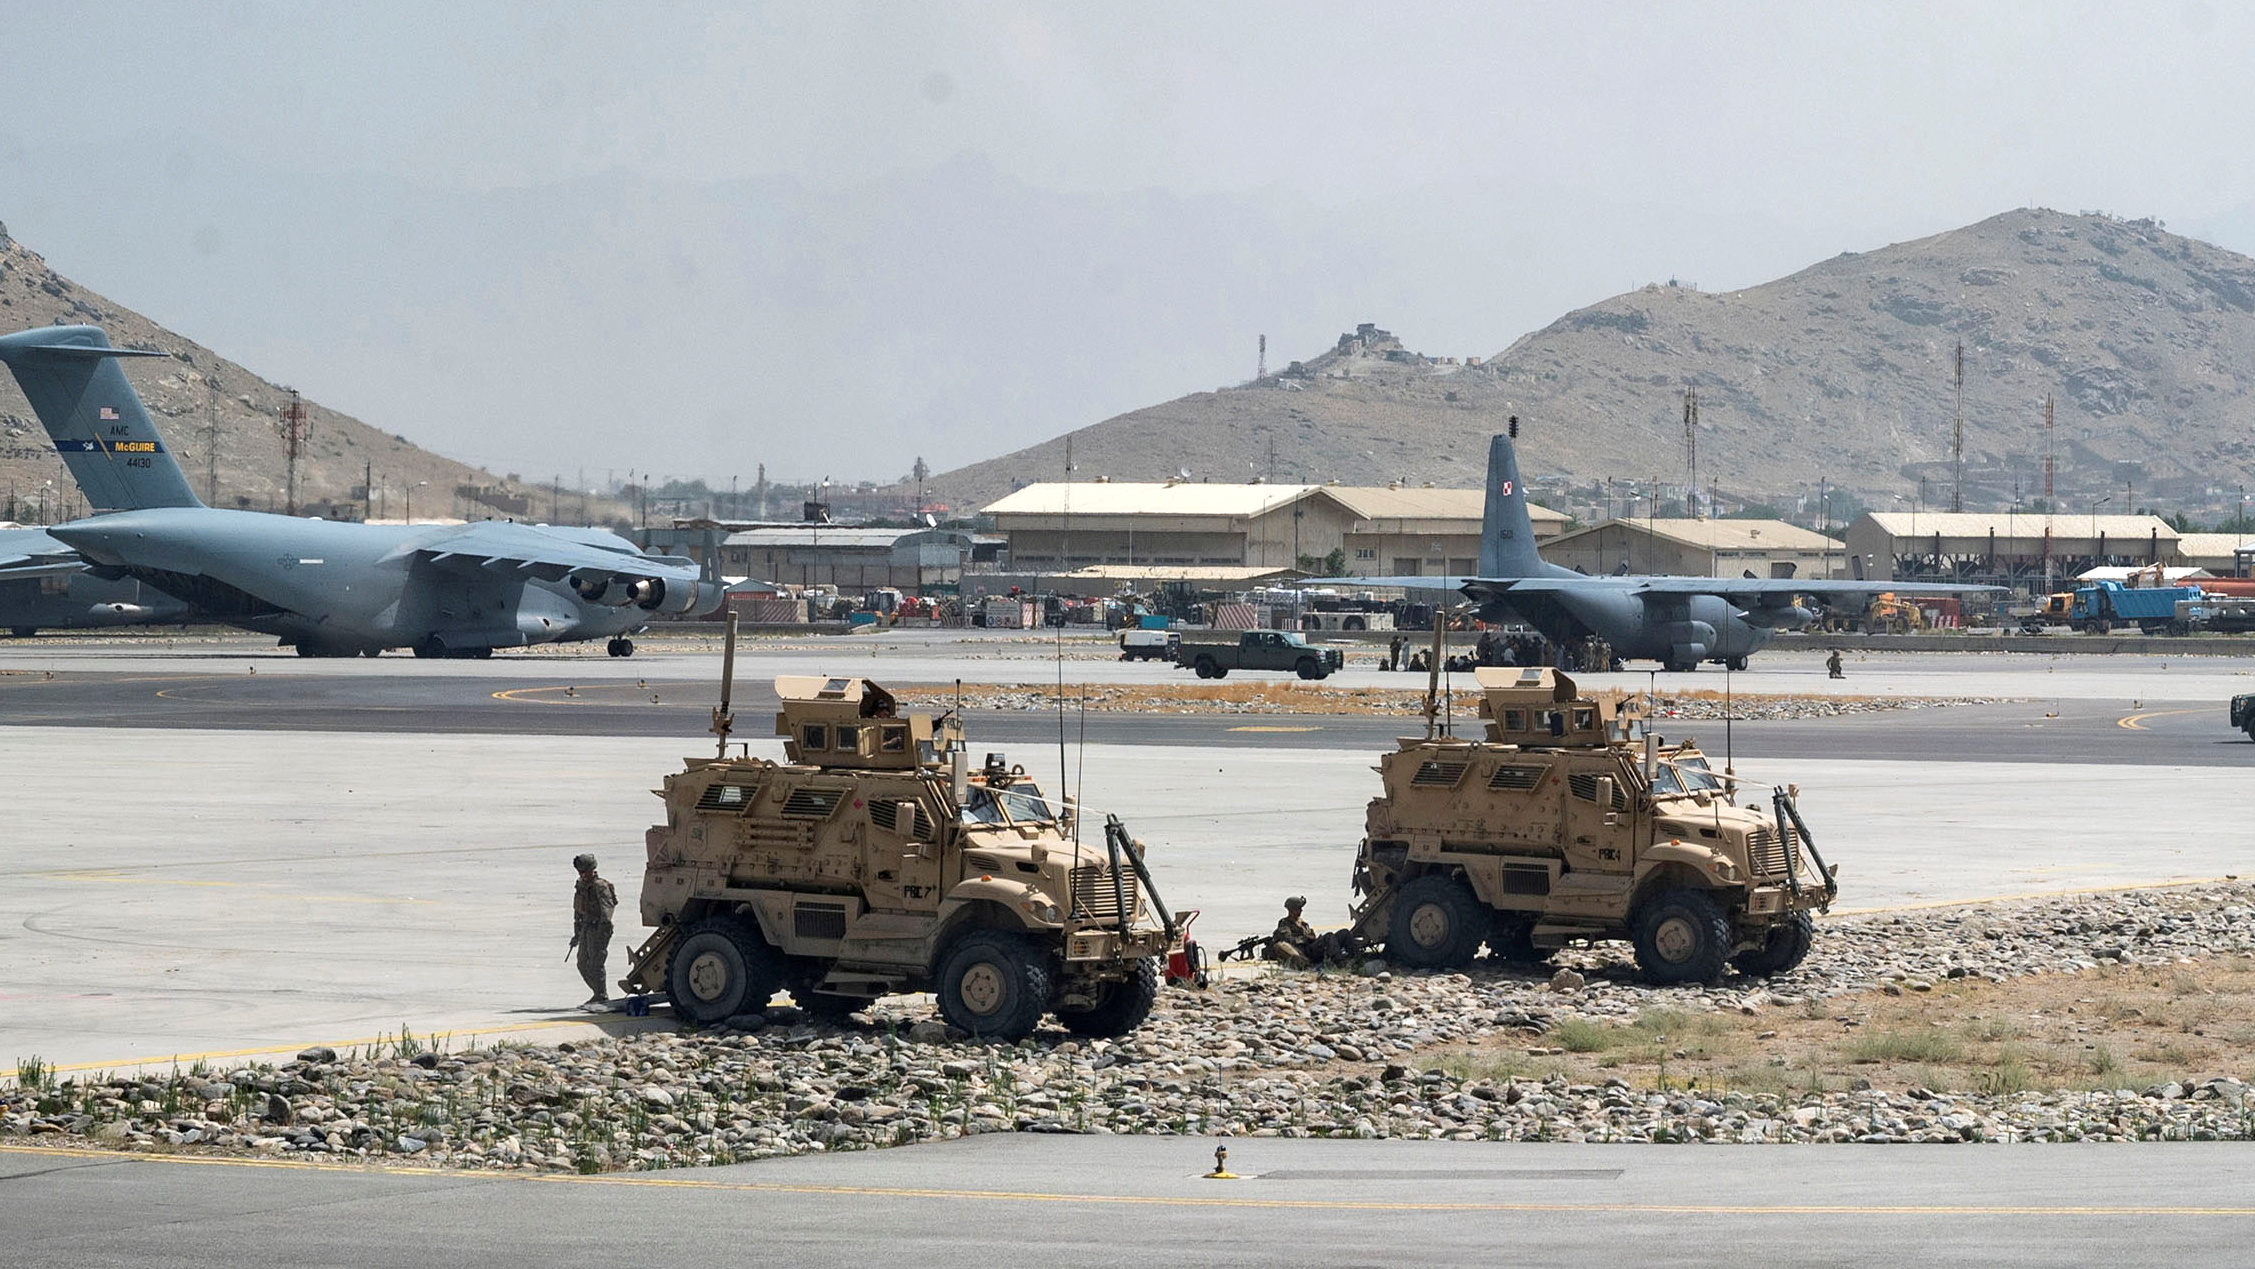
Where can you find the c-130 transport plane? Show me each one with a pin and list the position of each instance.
(1677, 621)
(329, 588)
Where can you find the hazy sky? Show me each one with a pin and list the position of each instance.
(832, 237)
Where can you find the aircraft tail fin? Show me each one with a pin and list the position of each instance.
(1507, 534)
(71, 377)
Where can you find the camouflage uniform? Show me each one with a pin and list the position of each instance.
(593, 902)
(1292, 939)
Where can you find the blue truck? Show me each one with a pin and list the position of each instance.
(2101, 606)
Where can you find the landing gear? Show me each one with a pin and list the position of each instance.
(620, 647)
(24, 632)
(1736, 665)
(1679, 667)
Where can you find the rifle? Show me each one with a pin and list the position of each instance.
(1246, 947)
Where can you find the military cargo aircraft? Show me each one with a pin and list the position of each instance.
(44, 585)
(328, 588)
(1677, 621)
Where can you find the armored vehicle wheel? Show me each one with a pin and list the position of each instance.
(993, 983)
(1682, 936)
(1437, 924)
(1785, 948)
(1511, 936)
(1120, 1007)
(720, 969)
(1308, 669)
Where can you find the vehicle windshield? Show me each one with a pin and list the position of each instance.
(1021, 803)
(1687, 774)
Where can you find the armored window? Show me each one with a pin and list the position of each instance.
(849, 738)
(1585, 720)
(814, 737)
(893, 739)
(1432, 774)
(979, 807)
(1516, 779)
(1515, 720)
(1583, 784)
(724, 797)
(811, 804)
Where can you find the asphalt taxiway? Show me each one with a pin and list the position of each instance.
(1026, 1199)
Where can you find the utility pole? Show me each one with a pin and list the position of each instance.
(292, 425)
(1957, 437)
(1260, 370)
(921, 472)
(367, 491)
(2051, 453)
(1691, 449)
(555, 498)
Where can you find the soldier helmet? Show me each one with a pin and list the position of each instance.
(585, 863)
(1296, 902)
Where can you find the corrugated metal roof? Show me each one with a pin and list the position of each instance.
(837, 536)
(2202, 546)
(1193, 498)
(1128, 498)
(1716, 535)
(1165, 572)
(1386, 502)
(1980, 524)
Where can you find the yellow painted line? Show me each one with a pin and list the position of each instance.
(2136, 722)
(1276, 729)
(339, 1045)
(1239, 1200)
(581, 696)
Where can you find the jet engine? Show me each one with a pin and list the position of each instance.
(621, 590)
(1778, 616)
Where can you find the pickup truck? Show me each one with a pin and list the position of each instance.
(1214, 658)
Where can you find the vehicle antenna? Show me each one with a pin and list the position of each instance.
(1080, 777)
(1730, 712)
(1064, 772)
(723, 720)
(1433, 675)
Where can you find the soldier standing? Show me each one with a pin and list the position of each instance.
(593, 902)
(1832, 665)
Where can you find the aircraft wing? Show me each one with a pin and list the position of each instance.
(1390, 583)
(31, 553)
(500, 546)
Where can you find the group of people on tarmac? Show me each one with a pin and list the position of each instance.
(1497, 647)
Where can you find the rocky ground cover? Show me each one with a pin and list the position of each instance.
(2091, 1017)
(1294, 697)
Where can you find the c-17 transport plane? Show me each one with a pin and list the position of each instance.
(44, 585)
(1677, 621)
(329, 588)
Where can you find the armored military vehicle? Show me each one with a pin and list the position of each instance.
(1567, 825)
(875, 860)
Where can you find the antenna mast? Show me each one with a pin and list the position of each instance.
(1691, 450)
(1957, 437)
(293, 428)
(211, 441)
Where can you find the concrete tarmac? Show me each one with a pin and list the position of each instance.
(1140, 1201)
(188, 892)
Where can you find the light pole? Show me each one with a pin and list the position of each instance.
(410, 513)
(2095, 561)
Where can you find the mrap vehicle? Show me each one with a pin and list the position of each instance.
(874, 860)
(1560, 827)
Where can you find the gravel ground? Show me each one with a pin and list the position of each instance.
(1330, 1054)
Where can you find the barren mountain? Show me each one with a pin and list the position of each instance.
(198, 388)
(1841, 372)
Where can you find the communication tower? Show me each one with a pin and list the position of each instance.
(2051, 455)
(294, 430)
